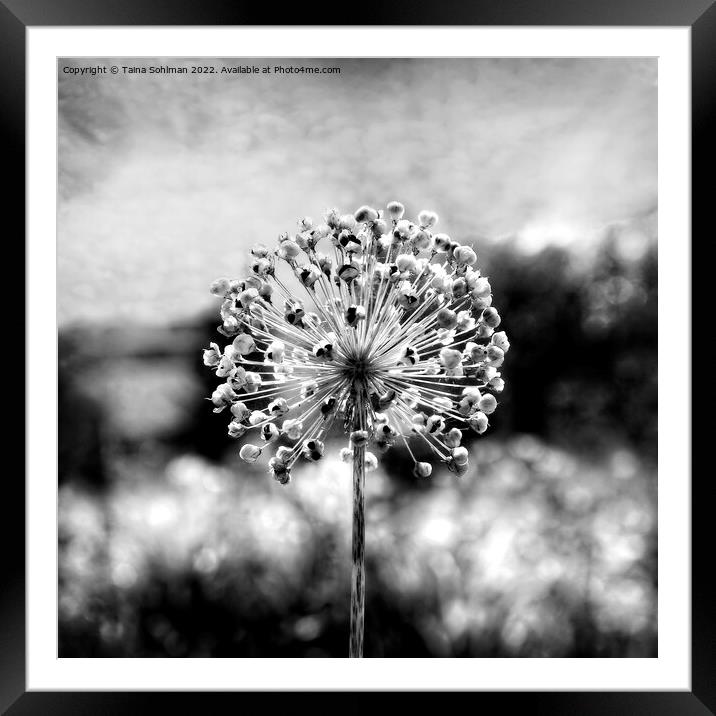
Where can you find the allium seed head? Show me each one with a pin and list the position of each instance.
(369, 322)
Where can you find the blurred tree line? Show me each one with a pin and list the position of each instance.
(582, 370)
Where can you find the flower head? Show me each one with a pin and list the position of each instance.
(368, 321)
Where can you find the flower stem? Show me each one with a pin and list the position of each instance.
(358, 552)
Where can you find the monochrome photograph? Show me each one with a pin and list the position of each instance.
(357, 357)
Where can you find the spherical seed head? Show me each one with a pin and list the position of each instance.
(376, 325)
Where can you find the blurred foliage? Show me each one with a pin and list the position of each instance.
(533, 553)
(583, 367)
(170, 547)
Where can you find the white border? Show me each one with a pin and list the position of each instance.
(671, 670)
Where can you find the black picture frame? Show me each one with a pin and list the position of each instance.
(17, 15)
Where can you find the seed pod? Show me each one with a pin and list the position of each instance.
(308, 275)
(292, 429)
(446, 318)
(212, 355)
(284, 453)
(478, 422)
(403, 231)
(253, 382)
(328, 406)
(289, 250)
(269, 432)
(348, 272)
(442, 242)
(332, 217)
(395, 210)
(435, 424)
(453, 437)
(422, 469)
(222, 397)
(419, 423)
(450, 358)
(257, 417)
(324, 349)
(259, 251)
(487, 403)
(459, 287)
(226, 365)
(294, 313)
(350, 243)
(312, 450)
(500, 340)
(410, 356)
(481, 289)
(244, 344)
(354, 314)
(427, 219)
(464, 256)
(276, 352)
(236, 429)
(379, 227)
(347, 221)
(495, 356)
(280, 471)
(240, 411)
(465, 322)
(278, 407)
(491, 318)
(249, 453)
(237, 378)
(476, 352)
(406, 262)
(422, 241)
(247, 297)
(442, 403)
(220, 287)
(365, 213)
(371, 462)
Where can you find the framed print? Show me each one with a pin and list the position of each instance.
(373, 360)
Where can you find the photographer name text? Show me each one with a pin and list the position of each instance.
(95, 70)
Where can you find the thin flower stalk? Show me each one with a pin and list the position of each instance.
(370, 321)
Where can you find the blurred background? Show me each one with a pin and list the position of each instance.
(169, 546)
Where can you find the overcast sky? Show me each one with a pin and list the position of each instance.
(166, 180)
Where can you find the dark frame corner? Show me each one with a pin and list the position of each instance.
(699, 15)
